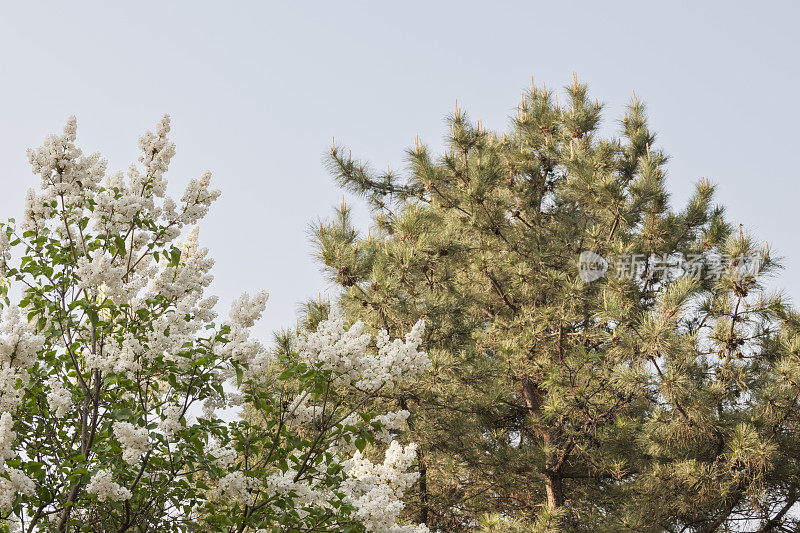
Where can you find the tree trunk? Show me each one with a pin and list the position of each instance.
(423, 488)
(554, 486)
(555, 490)
(423, 471)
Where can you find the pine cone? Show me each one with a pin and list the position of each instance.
(345, 277)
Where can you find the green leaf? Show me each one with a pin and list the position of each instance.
(120, 244)
(175, 257)
(93, 318)
(122, 414)
(361, 443)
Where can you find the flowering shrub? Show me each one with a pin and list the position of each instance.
(113, 372)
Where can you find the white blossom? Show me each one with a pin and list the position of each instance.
(157, 152)
(197, 199)
(12, 386)
(212, 404)
(120, 357)
(302, 410)
(5, 249)
(36, 211)
(245, 310)
(16, 483)
(223, 456)
(392, 421)
(171, 420)
(376, 490)
(100, 272)
(7, 438)
(102, 484)
(190, 276)
(235, 486)
(134, 441)
(304, 490)
(345, 351)
(67, 175)
(59, 399)
(19, 341)
(117, 204)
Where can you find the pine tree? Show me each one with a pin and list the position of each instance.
(661, 401)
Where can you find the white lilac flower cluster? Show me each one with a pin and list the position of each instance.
(134, 441)
(102, 485)
(10, 393)
(197, 199)
(19, 346)
(375, 490)
(5, 251)
(235, 486)
(122, 197)
(170, 420)
(244, 312)
(116, 204)
(7, 437)
(390, 424)
(302, 410)
(79, 185)
(344, 351)
(393, 421)
(157, 151)
(214, 402)
(101, 275)
(59, 399)
(117, 356)
(67, 175)
(12, 481)
(19, 341)
(223, 456)
(190, 277)
(16, 483)
(183, 284)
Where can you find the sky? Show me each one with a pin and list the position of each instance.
(257, 90)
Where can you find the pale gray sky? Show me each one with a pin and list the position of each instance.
(256, 90)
